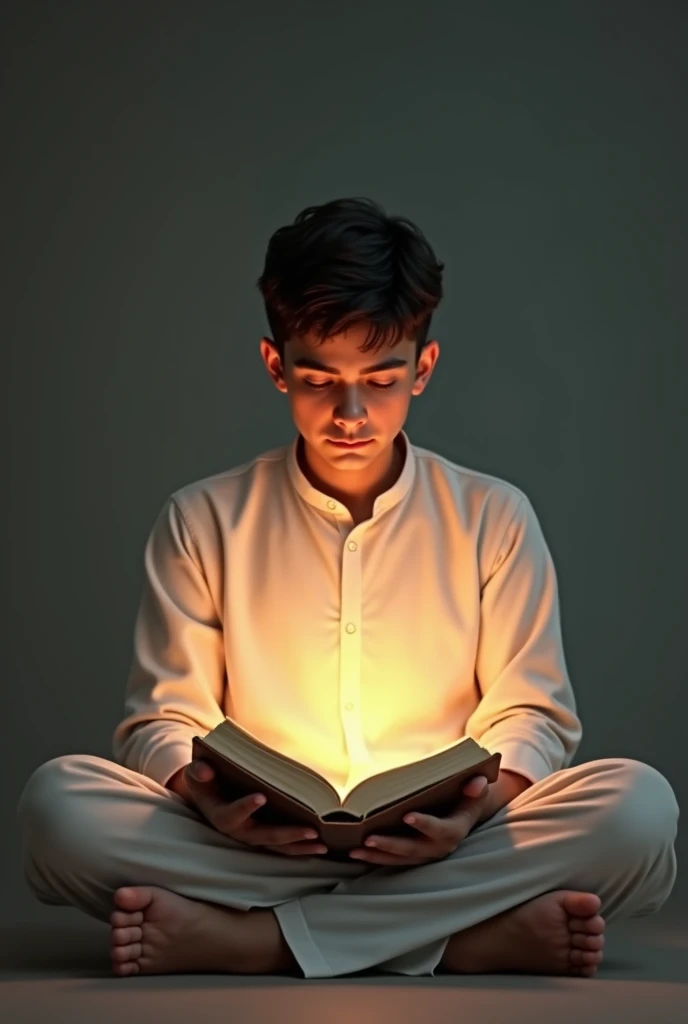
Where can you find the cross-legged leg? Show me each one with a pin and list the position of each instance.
(92, 828)
(177, 894)
(606, 828)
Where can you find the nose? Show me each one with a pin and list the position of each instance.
(349, 409)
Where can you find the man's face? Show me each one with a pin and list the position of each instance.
(336, 392)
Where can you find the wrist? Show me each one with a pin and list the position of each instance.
(501, 792)
(177, 784)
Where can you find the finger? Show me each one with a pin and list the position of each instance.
(278, 835)
(298, 849)
(233, 817)
(476, 786)
(399, 847)
(224, 814)
(200, 770)
(428, 824)
(383, 859)
(227, 816)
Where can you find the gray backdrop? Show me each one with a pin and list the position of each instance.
(151, 150)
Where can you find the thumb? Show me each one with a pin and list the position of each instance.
(476, 787)
(201, 770)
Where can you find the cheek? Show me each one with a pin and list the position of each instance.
(309, 412)
(309, 404)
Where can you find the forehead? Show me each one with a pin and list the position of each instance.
(343, 351)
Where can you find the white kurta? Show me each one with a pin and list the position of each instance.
(349, 648)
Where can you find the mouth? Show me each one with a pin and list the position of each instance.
(350, 444)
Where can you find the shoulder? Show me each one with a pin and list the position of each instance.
(221, 497)
(470, 490)
(495, 512)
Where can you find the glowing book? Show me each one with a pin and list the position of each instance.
(297, 795)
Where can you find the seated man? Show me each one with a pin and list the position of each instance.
(356, 602)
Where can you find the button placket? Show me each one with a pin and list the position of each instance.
(350, 660)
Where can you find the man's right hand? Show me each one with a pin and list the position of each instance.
(233, 818)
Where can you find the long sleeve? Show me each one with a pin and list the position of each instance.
(176, 681)
(527, 709)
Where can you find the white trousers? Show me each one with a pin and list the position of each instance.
(89, 826)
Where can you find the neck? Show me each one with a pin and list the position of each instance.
(358, 495)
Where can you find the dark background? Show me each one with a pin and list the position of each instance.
(151, 149)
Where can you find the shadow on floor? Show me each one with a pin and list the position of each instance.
(63, 974)
(639, 949)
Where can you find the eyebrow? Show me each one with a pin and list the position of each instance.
(306, 363)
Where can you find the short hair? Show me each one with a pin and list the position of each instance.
(347, 263)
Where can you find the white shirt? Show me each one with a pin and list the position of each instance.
(350, 648)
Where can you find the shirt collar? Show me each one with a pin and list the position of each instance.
(328, 504)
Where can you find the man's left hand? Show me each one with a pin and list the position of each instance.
(438, 836)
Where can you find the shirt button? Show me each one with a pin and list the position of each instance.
(352, 545)
(349, 706)
(332, 504)
(350, 628)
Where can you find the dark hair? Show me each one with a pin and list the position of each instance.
(347, 263)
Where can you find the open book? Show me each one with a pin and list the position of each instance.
(297, 795)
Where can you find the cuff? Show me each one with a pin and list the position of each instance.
(300, 941)
(166, 759)
(521, 757)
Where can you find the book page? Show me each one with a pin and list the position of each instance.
(357, 773)
(291, 777)
(391, 784)
(387, 762)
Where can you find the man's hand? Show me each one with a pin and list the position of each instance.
(439, 836)
(233, 818)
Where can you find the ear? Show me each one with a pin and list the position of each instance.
(427, 362)
(273, 363)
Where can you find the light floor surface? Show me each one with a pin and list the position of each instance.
(61, 972)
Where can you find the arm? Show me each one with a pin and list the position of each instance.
(527, 709)
(507, 787)
(176, 681)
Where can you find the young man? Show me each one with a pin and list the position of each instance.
(355, 601)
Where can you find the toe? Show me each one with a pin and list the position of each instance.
(120, 954)
(581, 941)
(130, 967)
(581, 957)
(133, 898)
(125, 936)
(121, 918)
(589, 925)
(581, 904)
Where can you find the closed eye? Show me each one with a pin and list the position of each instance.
(326, 384)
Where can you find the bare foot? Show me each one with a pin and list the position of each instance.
(559, 932)
(155, 931)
